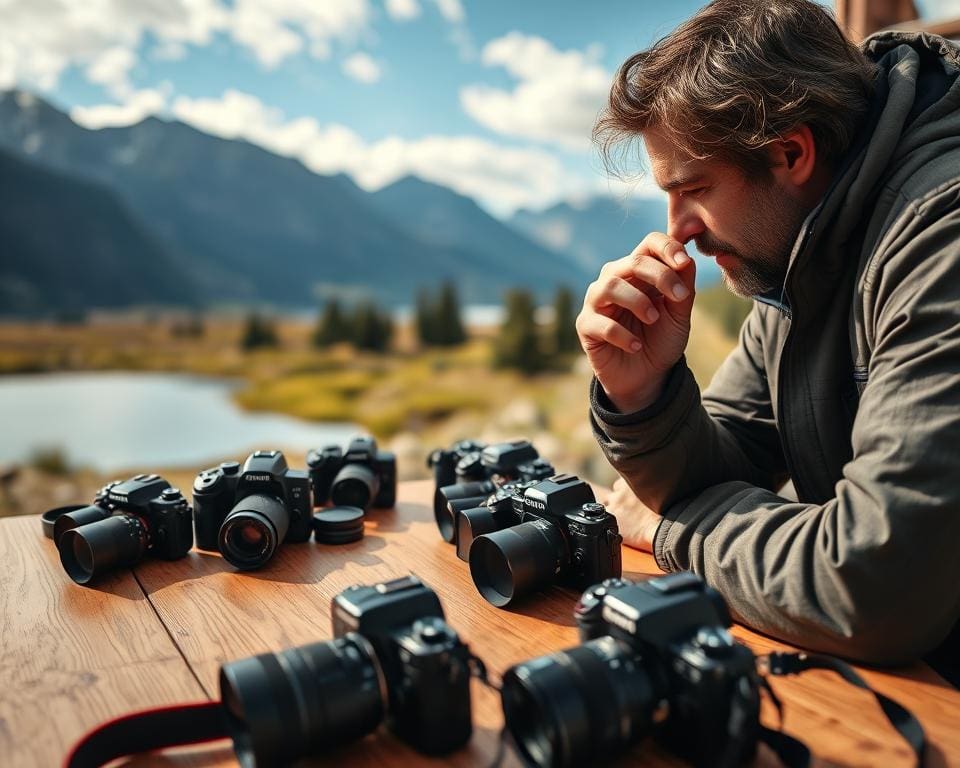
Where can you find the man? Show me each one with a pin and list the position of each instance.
(825, 180)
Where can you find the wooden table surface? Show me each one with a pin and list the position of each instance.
(74, 656)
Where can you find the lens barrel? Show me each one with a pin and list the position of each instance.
(253, 530)
(285, 706)
(356, 485)
(578, 707)
(507, 565)
(78, 517)
(447, 493)
(88, 551)
(470, 524)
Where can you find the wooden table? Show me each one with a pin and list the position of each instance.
(74, 656)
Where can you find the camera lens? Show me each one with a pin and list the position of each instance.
(447, 493)
(470, 524)
(252, 531)
(78, 517)
(89, 551)
(516, 561)
(355, 485)
(284, 706)
(447, 521)
(580, 706)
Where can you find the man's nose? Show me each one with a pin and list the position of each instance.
(683, 222)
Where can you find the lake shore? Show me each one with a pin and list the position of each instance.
(412, 399)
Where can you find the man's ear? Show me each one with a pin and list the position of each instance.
(793, 158)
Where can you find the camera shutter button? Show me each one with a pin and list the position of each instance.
(171, 494)
(715, 643)
(593, 509)
(432, 633)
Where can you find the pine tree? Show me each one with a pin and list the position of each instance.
(372, 330)
(332, 327)
(564, 331)
(449, 326)
(258, 332)
(518, 344)
(424, 318)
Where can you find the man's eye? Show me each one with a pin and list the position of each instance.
(695, 192)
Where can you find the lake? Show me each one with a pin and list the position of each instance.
(115, 421)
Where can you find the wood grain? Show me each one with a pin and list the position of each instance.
(215, 614)
(71, 656)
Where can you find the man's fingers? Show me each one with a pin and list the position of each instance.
(615, 291)
(598, 329)
(659, 260)
(654, 272)
(666, 248)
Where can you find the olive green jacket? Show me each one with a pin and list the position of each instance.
(849, 385)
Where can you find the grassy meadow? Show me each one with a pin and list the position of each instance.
(411, 399)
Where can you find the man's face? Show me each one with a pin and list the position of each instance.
(748, 224)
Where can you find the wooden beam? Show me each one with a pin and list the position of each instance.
(859, 18)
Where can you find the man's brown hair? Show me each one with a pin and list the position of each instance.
(737, 76)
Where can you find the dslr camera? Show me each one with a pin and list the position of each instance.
(656, 658)
(444, 461)
(362, 476)
(478, 474)
(127, 520)
(393, 658)
(563, 537)
(246, 512)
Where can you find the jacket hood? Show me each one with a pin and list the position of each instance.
(914, 118)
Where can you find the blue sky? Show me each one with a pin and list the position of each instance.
(494, 99)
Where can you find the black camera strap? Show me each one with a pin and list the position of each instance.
(156, 729)
(782, 664)
(149, 730)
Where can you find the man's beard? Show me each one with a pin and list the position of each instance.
(767, 241)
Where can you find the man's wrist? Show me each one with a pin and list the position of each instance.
(637, 399)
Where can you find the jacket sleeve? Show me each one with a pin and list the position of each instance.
(680, 445)
(872, 574)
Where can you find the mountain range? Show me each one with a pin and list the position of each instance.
(159, 213)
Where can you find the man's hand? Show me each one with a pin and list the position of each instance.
(637, 522)
(635, 320)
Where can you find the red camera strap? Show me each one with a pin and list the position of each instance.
(148, 730)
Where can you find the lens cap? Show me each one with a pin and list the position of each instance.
(338, 525)
(49, 518)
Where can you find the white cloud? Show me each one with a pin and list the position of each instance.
(451, 10)
(502, 178)
(558, 96)
(136, 107)
(403, 10)
(111, 69)
(169, 51)
(39, 40)
(275, 29)
(362, 68)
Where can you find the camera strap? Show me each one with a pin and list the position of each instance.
(165, 727)
(782, 664)
(149, 730)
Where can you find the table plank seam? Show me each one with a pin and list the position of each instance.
(170, 634)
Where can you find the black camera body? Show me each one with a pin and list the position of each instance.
(246, 512)
(425, 664)
(479, 474)
(444, 461)
(129, 519)
(563, 537)
(679, 625)
(393, 658)
(659, 660)
(362, 476)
